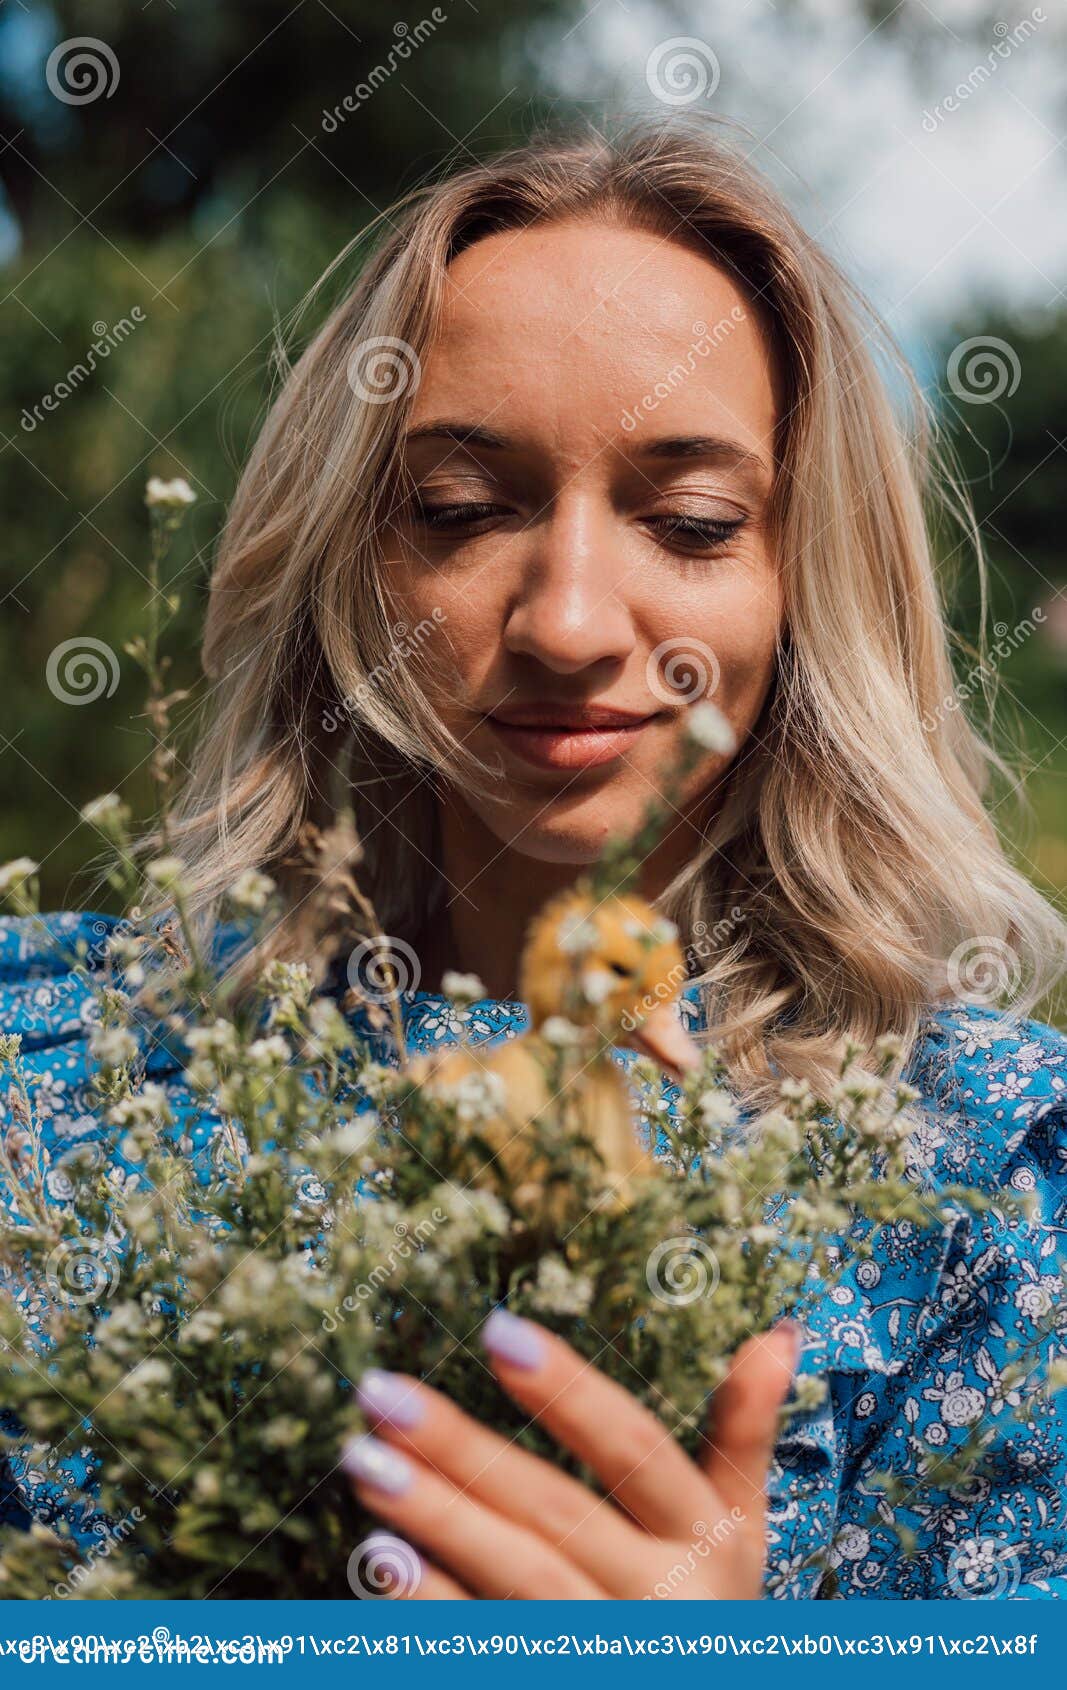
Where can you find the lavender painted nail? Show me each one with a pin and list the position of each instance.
(386, 1396)
(375, 1463)
(513, 1339)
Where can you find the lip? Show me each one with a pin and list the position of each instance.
(569, 737)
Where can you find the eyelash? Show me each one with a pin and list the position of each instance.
(704, 533)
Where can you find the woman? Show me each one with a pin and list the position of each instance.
(600, 432)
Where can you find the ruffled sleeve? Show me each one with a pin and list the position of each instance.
(922, 1343)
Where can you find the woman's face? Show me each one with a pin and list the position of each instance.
(591, 449)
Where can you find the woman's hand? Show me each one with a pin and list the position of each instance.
(497, 1521)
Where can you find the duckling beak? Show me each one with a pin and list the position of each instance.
(662, 1037)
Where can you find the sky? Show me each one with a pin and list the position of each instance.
(927, 207)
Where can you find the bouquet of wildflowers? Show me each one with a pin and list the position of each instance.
(198, 1329)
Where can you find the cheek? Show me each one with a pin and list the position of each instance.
(466, 625)
(715, 636)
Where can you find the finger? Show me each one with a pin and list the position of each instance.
(631, 1452)
(744, 1418)
(494, 1470)
(490, 1555)
(384, 1567)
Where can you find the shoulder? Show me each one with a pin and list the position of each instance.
(51, 970)
(989, 1155)
(993, 1091)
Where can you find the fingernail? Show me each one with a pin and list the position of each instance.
(513, 1339)
(375, 1463)
(795, 1333)
(385, 1565)
(386, 1396)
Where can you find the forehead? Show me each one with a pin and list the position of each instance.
(575, 323)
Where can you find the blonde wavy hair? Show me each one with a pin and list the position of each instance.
(852, 868)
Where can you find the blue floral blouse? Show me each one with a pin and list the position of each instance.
(914, 1342)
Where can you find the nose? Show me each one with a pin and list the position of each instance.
(569, 610)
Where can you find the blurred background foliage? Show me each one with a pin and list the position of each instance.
(205, 190)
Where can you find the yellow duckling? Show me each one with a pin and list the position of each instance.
(593, 972)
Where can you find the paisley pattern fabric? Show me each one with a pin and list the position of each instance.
(919, 1342)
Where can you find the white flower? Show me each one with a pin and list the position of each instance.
(852, 1544)
(1008, 1088)
(170, 494)
(1033, 1301)
(707, 727)
(113, 1047)
(963, 1406)
(557, 1030)
(202, 1327)
(576, 933)
(328, 1025)
(889, 1048)
(779, 1132)
(272, 1052)
(10, 1047)
(220, 1039)
(597, 985)
(251, 890)
(107, 812)
(462, 988)
(16, 873)
(142, 1107)
(716, 1108)
(349, 1137)
(478, 1096)
(166, 873)
(559, 1291)
(151, 1371)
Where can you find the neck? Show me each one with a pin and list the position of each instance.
(493, 891)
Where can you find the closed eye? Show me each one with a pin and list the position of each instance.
(453, 518)
(694, 533)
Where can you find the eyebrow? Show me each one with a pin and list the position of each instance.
(702, 446)
(717, 448)
(464, 434)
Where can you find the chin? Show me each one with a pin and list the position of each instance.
(567, 838)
